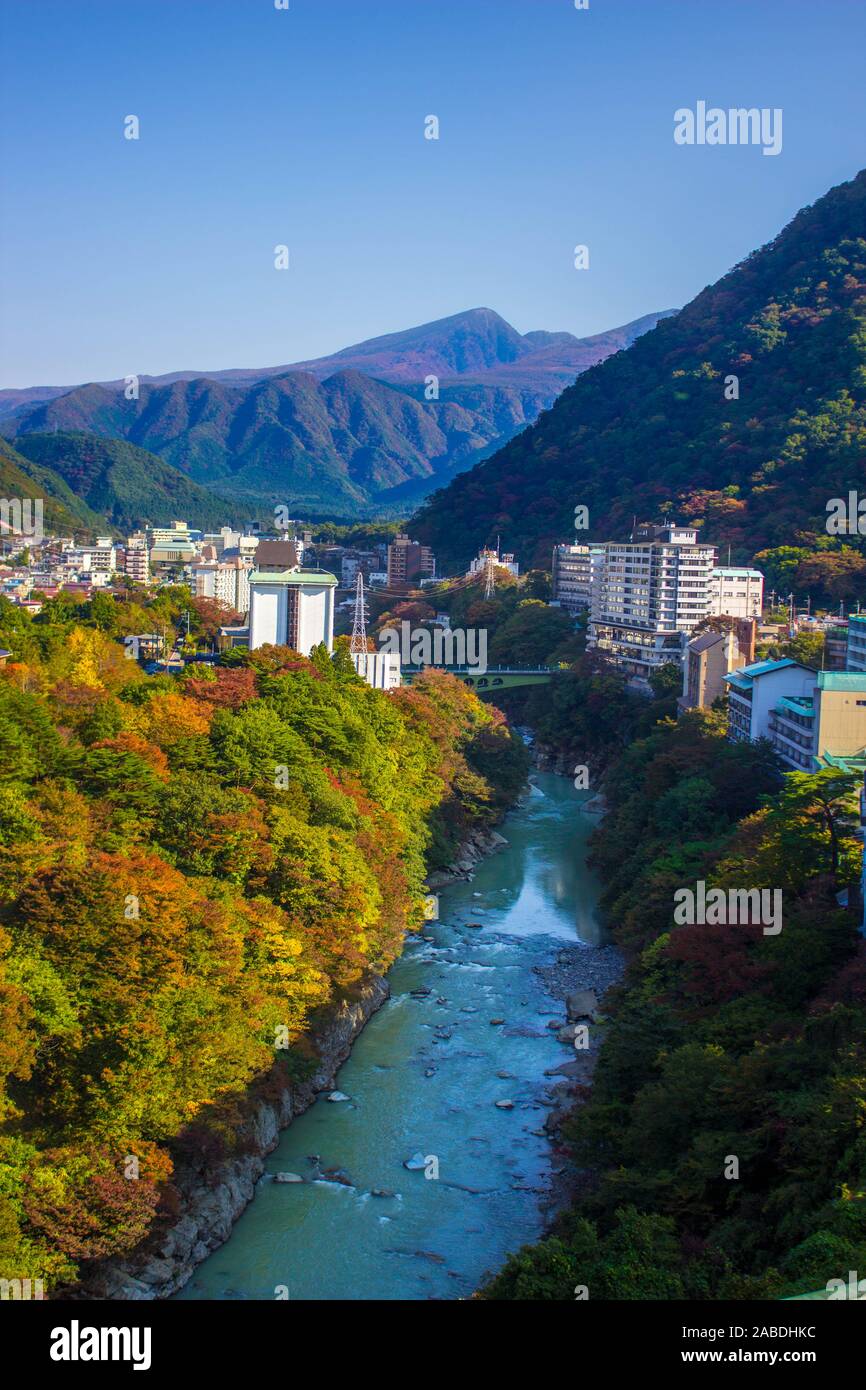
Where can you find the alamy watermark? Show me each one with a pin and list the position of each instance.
(421, 646)
(741, 907)
(739, 125)
(846, 516)
(22, 517)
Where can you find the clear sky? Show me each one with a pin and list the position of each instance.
(305, 127)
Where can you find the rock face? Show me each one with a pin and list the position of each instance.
(479, 844)
(212, 1201)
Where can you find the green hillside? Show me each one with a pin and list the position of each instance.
(129, 485)
(650, 432)
(21, 477)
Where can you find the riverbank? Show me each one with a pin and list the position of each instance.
(212, 1198)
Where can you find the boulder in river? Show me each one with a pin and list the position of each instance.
(415, 1163)
(582, 1004)
(504, 1104)
(337, 1175)
(288, 1177)
(336, 1096)
(495, 1021)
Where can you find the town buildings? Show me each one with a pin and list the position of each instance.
(754, 691)
(810, 717)
(379, 669)
(488, 555)
(227, 581)
(710, 656)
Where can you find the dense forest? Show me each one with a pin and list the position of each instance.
(722, 1043)
(189, 866)
(661, 429)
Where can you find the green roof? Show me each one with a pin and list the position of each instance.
(293, 577)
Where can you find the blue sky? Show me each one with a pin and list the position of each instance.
(306, 127)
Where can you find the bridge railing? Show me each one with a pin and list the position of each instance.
(512, 670)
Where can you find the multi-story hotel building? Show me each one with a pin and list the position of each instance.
(648, 595)
(572, 576)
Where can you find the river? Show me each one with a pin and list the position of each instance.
(423, 1078)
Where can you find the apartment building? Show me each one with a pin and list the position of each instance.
(409, 562)
(830, 723)
(736, 592)
(648, 595)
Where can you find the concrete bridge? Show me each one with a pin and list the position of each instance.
(493, 679)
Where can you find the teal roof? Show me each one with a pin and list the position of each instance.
(293, 577)
(842, 680)
(853, 762)
(798, 704)
(857, 618)
(745, 674)
(760, 668)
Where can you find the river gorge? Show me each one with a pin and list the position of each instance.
(466, 1030)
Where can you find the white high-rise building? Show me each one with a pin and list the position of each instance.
(737, 592)
(648, 595)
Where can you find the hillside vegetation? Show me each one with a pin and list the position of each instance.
(650, 431)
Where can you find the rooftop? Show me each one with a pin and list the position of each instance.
(842, 680)
(301, 577)
(746, 674)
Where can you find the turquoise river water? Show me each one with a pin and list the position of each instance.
(422, 1078)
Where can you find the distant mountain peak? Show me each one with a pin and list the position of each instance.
(355, 430)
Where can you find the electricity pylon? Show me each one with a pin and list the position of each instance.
(489, 575)
(358, 643)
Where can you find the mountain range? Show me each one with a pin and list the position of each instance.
(744, 414)
(351, 434)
